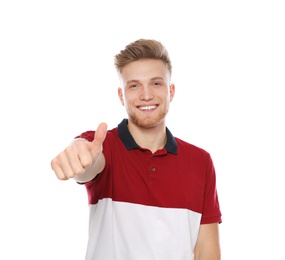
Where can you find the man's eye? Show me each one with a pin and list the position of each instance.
(133, 86)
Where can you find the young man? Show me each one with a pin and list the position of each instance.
(151, 195)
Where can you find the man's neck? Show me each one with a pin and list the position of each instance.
(149, 138)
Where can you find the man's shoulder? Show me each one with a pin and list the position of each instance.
(182, 144)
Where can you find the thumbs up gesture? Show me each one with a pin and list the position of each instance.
(81, 160)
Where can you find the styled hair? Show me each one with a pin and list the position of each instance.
(142, 49)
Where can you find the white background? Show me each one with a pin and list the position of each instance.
(57, 80)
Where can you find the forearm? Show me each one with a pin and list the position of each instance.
(208, 246)
(210, 255)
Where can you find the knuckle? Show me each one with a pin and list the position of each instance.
(78, 171)
(86, 163)
(70, 149)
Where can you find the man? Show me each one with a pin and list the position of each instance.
(151, 195)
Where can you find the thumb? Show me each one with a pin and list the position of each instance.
(99, 137)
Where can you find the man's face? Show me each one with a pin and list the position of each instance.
(146, 92)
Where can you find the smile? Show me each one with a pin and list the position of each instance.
(147, 108)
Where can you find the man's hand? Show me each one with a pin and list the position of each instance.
(81, 155)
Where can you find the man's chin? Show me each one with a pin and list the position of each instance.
(146, 123)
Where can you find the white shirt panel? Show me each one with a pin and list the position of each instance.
(126, 231)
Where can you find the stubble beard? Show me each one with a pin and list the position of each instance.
(149, 122)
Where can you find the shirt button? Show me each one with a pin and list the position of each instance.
(153, 169)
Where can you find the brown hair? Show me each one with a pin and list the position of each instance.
(142, 49)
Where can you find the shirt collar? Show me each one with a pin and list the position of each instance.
(130, 143)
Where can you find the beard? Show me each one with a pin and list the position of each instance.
(147, 122)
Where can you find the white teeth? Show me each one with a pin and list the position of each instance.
(147, 108)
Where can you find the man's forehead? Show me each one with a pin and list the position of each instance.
(145, 70)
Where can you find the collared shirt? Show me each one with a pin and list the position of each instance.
(146, 205)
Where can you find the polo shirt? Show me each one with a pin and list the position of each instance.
(149, 206)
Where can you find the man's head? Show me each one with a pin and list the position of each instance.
(144, 69)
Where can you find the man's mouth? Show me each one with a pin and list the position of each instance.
(147, 108)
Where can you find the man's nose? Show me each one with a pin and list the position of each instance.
(146, 93)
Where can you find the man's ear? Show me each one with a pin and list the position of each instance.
(120, 94)
(172, 91)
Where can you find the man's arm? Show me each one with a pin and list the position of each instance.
(208, 244)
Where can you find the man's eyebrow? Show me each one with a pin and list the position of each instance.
(132, 81)
(136, 81)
